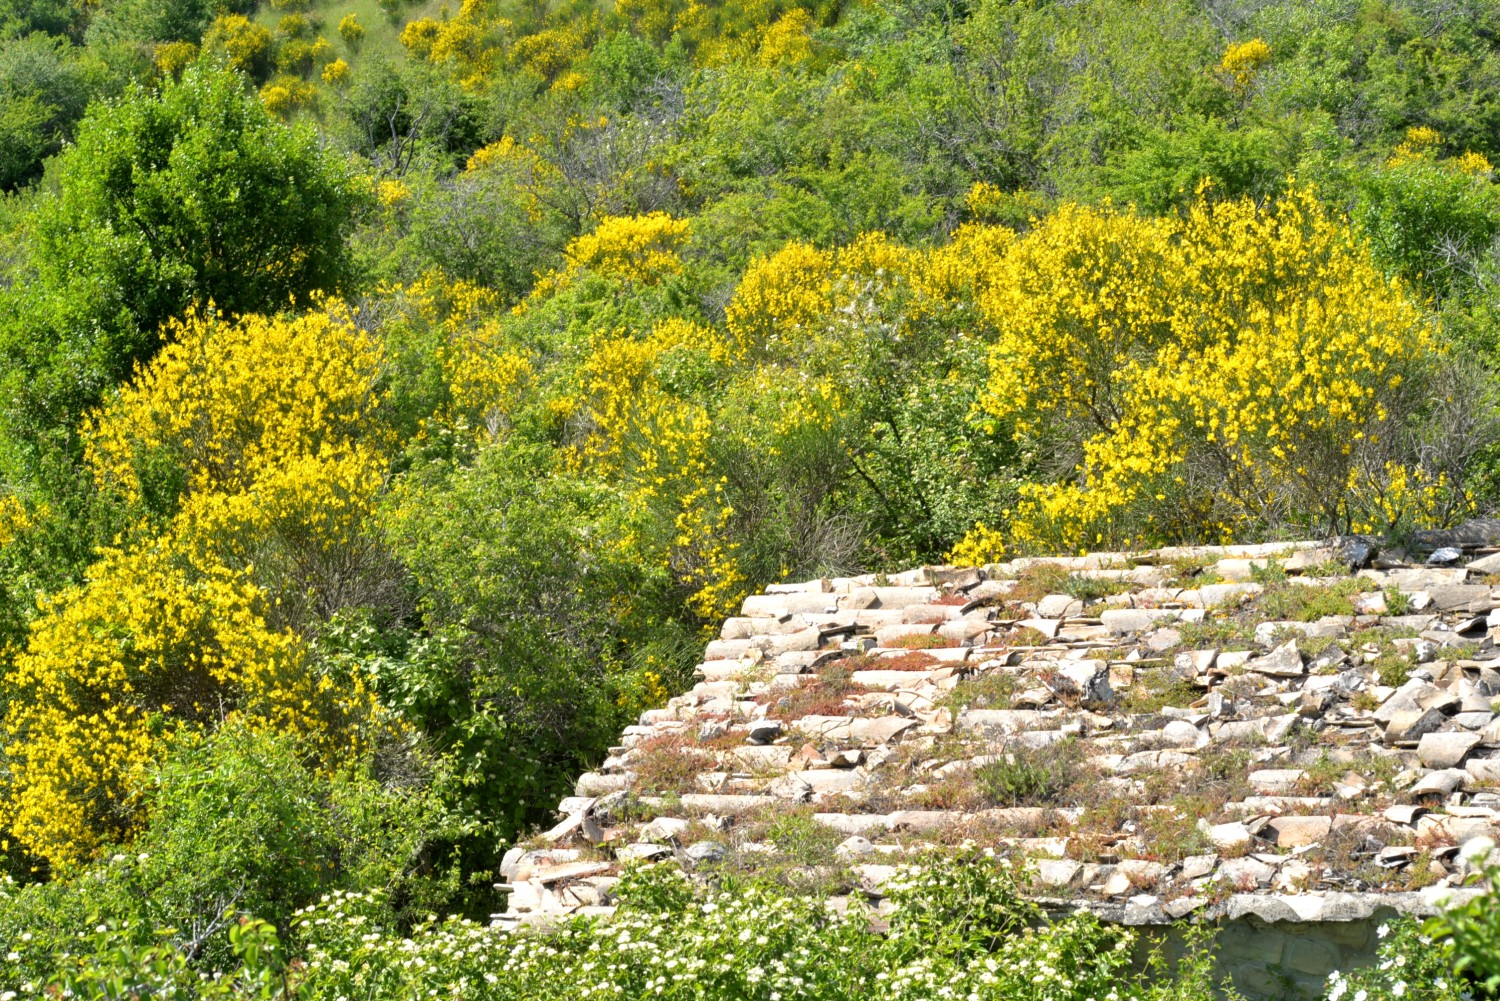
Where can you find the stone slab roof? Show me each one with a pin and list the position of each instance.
(1273, 730)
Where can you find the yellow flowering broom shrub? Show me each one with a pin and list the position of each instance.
(113, 668)
(549, 51)
(657, 443)
(235, 401)
(1239, 369)
(350, 30)
(780, 295)
(273, 429)
(643, 248)
(249, 46)
(788, 40)
(1243, 62)
(171, 58)
(867, 359)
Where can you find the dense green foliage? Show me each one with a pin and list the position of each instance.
(420, 383)
(195, 195)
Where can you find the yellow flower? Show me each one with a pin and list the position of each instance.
(392, 192)
(641, 248)
(336, 72)
(350, 30)
(1242, 61)
(1212, 372)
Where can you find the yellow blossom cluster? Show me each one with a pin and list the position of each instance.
(788, 40)
(780, 296)
(986, 202)
(350, 30)
(336, 72)
(392, 192)
(171, 58)
(487, 377)
(420, 35)
(475, 42)
(113, 668)
(981, 545)
(631, 424)
(658, 443)
(653, 19)
(232, 400)
(286, 94)
(959, 274)
(468, 43)
(1231, 368)
(1242, 61)
(1186, 376)
(641, 248)
(984, 199)
(1474, 163)
(1421, 145)
(273, 426)
(246, 43)
(1073, 302)
(15, 518)
(554, 44)
(786, 361)
(770, 32)
(791, 306)
(550, 51)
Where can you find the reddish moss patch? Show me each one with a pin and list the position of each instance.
(825, 696)
(915, 661)
(671, 763)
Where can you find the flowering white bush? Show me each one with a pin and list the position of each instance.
(1412, 966)
(960, 931)
(747, 944)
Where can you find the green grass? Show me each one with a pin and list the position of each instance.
(1219, 633)
(1156, 688)
(992, 690)
(1310, 602)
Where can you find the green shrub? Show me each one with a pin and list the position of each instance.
(240, 825)
(191, 194)
(1393, 668)
(1025, 776)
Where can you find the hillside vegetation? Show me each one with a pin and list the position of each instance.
(394, 396)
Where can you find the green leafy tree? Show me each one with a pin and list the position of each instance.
(162, 20)
(42, 96)
(56, 17)
(192, 195)
(398, 114)
(1428, 221)
(240, 825)
(515, 673)
(1166, 170)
